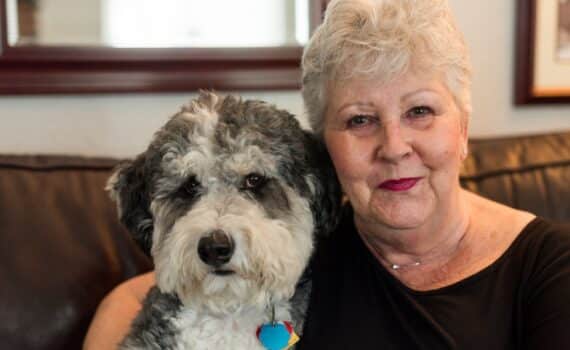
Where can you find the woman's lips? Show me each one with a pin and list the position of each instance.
(403, 184)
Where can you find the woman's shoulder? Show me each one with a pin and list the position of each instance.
(544, 244)
(512, 227)
(488, 215)
(539, 246)
(493, 230)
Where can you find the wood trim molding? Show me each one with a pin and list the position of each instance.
(65, 69)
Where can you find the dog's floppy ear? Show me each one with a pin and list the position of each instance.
(129, 187)
(326, 199)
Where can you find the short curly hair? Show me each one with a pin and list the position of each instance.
(381, 40)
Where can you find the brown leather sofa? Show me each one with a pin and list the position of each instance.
(62, 248)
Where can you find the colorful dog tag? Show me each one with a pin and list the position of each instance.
(277, 336)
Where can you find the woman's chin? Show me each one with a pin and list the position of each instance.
(403, 217)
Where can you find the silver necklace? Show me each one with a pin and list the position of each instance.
(404, 266)
(415, 263)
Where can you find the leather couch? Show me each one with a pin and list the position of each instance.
(62, 248)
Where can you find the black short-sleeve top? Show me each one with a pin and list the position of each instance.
(521, 301)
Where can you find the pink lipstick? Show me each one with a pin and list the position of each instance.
(398, 185)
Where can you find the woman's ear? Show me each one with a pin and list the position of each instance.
(129, 188)
(464, 133)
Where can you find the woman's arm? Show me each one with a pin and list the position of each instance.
(116, 312)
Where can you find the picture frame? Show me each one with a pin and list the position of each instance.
(542, 58)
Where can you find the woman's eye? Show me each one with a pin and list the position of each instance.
(420, 111)
(359, 121)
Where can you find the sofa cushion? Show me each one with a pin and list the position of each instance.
(530, 172)
(62, 249)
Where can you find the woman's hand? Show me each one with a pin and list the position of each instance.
(116, 312)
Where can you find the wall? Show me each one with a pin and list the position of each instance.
(489, 27)
(121, 125)
(118, 125)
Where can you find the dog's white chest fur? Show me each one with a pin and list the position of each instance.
(202, 331)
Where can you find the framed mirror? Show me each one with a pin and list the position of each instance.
(95, 46)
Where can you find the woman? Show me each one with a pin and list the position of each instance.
(417, 262)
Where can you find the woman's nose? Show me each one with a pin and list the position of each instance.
(394, 143)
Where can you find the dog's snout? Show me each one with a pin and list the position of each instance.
(216, 248)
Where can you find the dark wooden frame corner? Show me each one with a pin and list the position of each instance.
(525, 36)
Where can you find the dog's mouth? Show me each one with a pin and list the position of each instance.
(221, 272)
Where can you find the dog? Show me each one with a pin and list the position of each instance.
(228, 199)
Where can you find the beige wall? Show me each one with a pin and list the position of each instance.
(489, 27)
(118, 125)
(121, 125)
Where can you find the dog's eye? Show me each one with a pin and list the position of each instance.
(191, 187)
(253, 181)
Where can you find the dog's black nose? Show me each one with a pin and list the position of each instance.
(216, 248)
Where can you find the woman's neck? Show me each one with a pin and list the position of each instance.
(432, 244)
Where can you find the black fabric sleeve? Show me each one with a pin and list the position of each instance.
(546, 308)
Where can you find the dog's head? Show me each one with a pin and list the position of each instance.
(227, 199)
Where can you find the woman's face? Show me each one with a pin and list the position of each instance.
(397, 148)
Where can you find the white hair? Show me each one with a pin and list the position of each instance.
(381, 40)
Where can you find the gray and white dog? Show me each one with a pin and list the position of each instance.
(228, 199)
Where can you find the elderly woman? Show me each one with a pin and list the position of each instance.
(417, 262)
